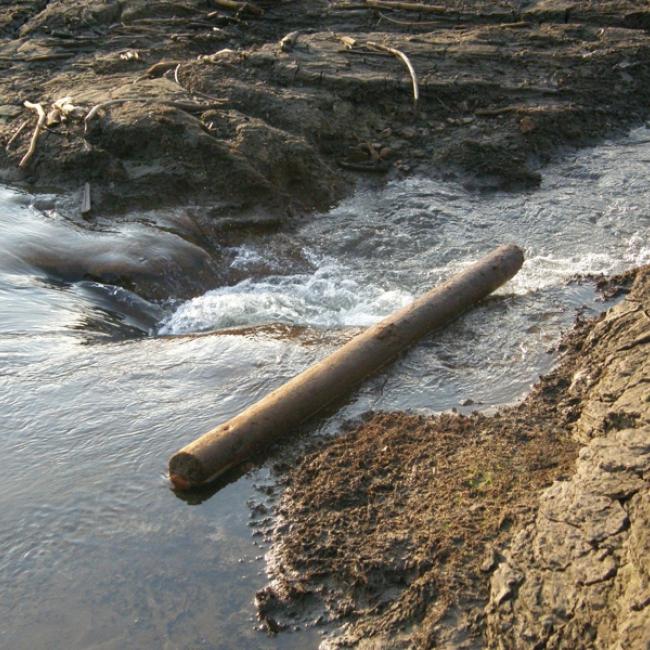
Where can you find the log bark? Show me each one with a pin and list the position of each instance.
(234, 441)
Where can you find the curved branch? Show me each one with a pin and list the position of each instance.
(38, 109)
(400, 55)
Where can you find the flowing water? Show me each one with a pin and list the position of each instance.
(99, 386)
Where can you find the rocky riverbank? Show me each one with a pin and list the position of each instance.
(527, 528)
(213, 106)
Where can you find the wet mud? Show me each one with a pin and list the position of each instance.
(526, 528)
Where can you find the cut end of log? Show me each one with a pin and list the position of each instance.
(185, 471)
(514, 251)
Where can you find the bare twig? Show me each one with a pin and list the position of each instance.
(409, 23)
(402, 57)
(493, 112)
(400, 6)
(17, 132)
(38, 109)
(288, 42)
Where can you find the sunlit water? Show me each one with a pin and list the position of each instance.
(96, 551)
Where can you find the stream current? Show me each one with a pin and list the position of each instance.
(98, 387)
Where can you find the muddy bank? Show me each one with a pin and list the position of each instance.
(527, 528)
(221, 113)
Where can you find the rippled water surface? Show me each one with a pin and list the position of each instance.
(99, 386)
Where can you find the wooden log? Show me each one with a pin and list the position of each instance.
(234, 441)
(397, 6)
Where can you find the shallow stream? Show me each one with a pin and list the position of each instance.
(98, 387)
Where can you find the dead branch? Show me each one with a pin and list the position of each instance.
(38, 109)
(240, 7)
(17, 132)
(409, 23)
(402, 57)
(399, 6)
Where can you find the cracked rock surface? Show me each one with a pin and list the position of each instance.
(578, 576)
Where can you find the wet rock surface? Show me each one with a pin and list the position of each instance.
(215, 105)
(525, 529)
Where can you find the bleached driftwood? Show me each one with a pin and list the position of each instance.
(287, 42)
(38, 109)
(53, 117)
(17, 132)
(226, 54)
(402, 57)
(390, 4)
(62, 109)
(68, 109)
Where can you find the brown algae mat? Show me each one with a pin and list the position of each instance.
(401, 531)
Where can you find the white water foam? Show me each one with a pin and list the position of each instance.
(544, 271)
(326, 298)
(335, 296)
